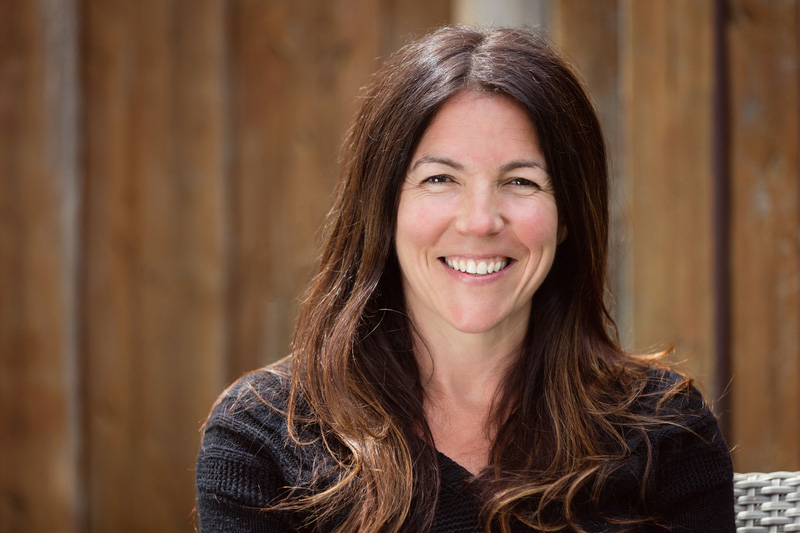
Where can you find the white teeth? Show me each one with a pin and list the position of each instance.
(479, 269)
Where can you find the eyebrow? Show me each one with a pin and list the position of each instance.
(436, 159)
(508, 167)
(514, 165)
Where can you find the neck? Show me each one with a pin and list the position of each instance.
(462, 375)
(466, 367)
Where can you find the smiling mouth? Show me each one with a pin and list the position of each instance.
(477, 268)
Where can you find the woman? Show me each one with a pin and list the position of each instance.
(452, 367)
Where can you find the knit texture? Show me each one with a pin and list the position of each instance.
(247, 462)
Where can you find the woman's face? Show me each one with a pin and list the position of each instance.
(477, 225)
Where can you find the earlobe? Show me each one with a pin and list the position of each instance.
(562, 233)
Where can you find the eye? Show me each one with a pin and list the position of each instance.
(439, 178)
(522, 182)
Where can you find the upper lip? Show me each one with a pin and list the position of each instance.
(477, 257)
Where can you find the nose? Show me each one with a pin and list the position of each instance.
(480, 214)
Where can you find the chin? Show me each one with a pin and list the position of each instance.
(492, 318)
(475, 325)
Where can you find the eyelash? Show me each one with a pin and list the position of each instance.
(524, 183)
(437, 179)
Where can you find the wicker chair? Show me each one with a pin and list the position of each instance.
(767, 502)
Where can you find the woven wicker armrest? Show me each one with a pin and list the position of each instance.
(767, 502)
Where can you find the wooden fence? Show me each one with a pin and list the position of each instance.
(165, 166)
(701, 103)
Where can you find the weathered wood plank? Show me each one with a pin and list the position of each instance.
(172, 90)
(39, 485)
(296, 73)
(764, 42)
(154, 230)
(666, 75)
(403, 20)
(296, 68)
(588, 34)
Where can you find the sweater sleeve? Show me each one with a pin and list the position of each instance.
(239, 470)
(693, 476)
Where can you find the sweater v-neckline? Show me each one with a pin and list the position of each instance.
(451, 471)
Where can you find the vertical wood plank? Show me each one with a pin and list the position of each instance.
(295, 77)
(154, 230)
(765, 135)
(403, 20)
(39, 487)
(211, 132)
(666, 73)
(296, 68)
(588, 34)
(158, 213)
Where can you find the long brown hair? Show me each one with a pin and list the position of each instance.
(354, 375)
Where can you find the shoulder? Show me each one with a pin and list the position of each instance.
(691, 459)
(249, 460)
(258, 409)
(246, 421)
(253, 408)
(671, 398)
(259, 395)
(670, 406)
(248, 448)
(675, 447)
(670, 419)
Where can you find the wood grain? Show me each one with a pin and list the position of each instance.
(154, 246)
(296, 71)
(666, 79)
(588, 34)
(38, 434)
(154, 331)
(213, 130)
(765, 136)
(403, 20)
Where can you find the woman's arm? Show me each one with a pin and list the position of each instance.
(241, 466)
(693, 477)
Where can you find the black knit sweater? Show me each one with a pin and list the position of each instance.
(247, 462)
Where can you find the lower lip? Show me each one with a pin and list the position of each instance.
(473, 278)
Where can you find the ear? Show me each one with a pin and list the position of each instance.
(562, 233)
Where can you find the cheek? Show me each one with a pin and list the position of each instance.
(538, 225)
(418, 225)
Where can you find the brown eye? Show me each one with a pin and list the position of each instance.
(439, 178)
(522, 182)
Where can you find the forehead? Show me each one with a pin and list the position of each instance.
(482, 127)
